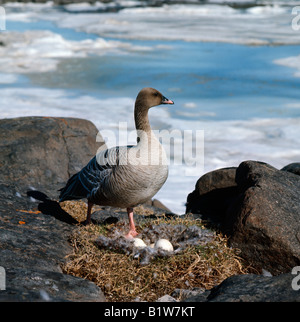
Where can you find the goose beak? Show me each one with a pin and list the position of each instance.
(166, 101)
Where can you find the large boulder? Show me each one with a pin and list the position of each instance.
(42, 152)
(292, 167)
(264, 222)
(217, 185)
(258, 207)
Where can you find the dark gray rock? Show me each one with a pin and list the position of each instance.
(159, 205)
(36, 244)
(42, 152)
(258, 207)
(44, 285)
(264, 222)
(293, 168)
(217, 185)
(251, 288)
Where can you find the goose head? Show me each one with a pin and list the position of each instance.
(149, 97)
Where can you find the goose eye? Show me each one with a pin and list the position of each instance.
(155, 94)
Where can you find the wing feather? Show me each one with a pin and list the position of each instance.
(87, 181)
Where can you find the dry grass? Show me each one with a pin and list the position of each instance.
(77, 209)
(122, 278)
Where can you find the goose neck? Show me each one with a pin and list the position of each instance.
(141, 119)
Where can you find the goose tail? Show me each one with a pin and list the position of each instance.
(74, 189)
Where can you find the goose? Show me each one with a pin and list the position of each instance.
(124, 176)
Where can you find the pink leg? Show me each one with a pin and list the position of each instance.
(89, 213)
(132, 232)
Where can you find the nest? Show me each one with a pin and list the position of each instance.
(201, 259)
(180, 236)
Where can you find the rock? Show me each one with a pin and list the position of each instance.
(216, 185)
(292, 167)
(45, 286)
(159, 206)
(251, 288)
(258, 207)
(215, 180)
(29, 238)
(264, 222)
(43, 151)
(166, 298)
(36, 244)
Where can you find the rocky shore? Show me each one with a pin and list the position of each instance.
(254, 204)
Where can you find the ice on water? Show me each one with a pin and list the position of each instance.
(267, 23)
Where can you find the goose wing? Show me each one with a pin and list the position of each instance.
(92, 176)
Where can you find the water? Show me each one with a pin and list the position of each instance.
(233, 73)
